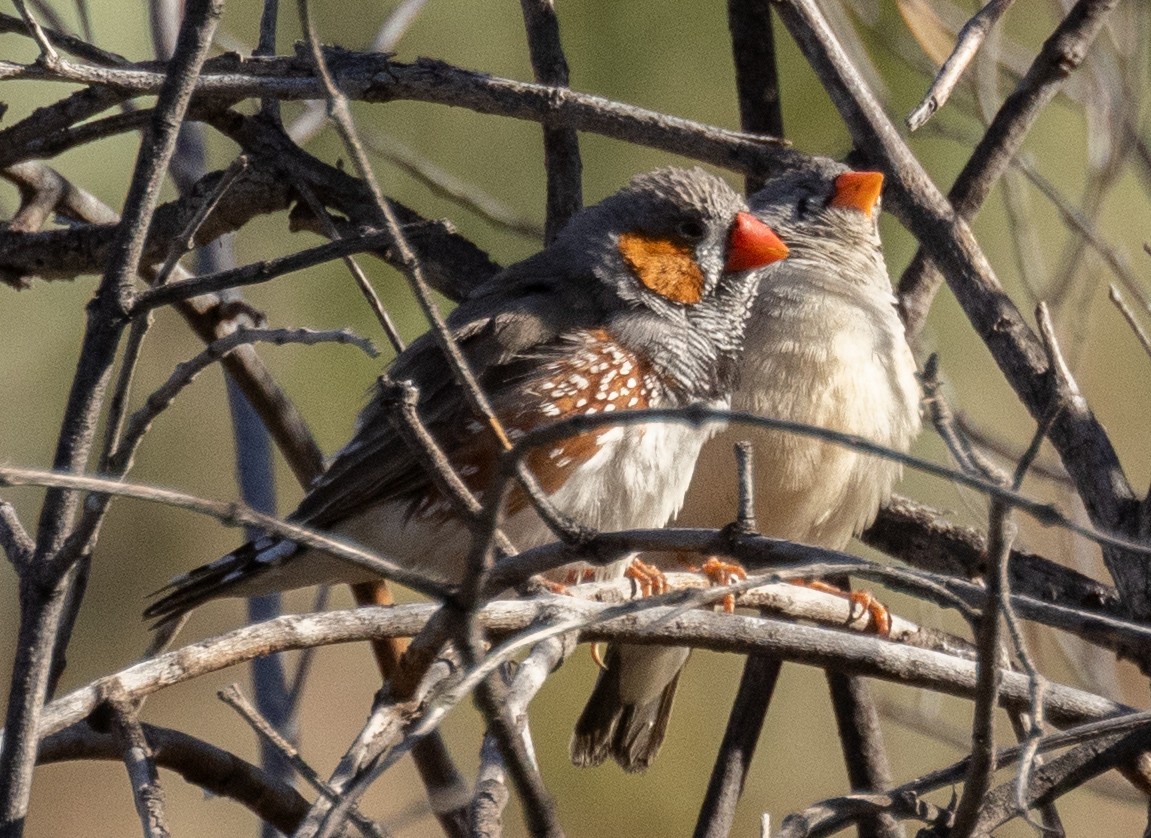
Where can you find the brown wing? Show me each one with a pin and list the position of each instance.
(520, 314)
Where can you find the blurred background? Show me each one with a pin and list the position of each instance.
(668, 56)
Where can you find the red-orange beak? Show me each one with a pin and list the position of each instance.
(858, 190)
(752, 244)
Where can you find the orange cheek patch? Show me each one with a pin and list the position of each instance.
(666, 266)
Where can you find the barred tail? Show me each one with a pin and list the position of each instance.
(232, 575)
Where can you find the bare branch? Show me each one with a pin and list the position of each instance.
(1128, 315)
(184, 374)
(561, 142)
(640, 622)
(232, 696)
(375, 78)
(1081, 442)
(68, 43)
(756, 687)
(756, 73)
(828, 816)
(230, 514)
(1061, 55)
(41, 613)
(864, 752)
(970, 39)
(138, 758)
(257, 272)
(216, 771)
(491, 794)
(48, 55)
(18, 546)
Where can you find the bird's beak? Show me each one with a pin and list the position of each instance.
(858, 190)
(752, 244)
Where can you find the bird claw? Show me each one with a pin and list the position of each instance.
(862, 602)
(722, 573)
(650, 579)
(579, 575)
(597, 656)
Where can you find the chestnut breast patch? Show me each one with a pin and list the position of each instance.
(596, 375)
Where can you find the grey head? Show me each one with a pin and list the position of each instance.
(827, 213)
(677, 250)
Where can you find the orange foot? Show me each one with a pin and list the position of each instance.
(723, 573)
(880, 617)
(580, 575)
(650, 579)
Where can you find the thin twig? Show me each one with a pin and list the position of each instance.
(1117, 299)
(257, 271)
(186, 241)
(756, 73)
(138, 759)
(341, 116)
(48, 55)
(18, 546)
(1045, 514)
(230, 514)
(1061, 55)
(736, 750)
(446, 185)
(185, 373)
(362, 282)
(1086, 231)
(216, 771)
(68, 43)
(970, 460)
(561, 142)
(41, 613)
(966, 45)
(235, 699)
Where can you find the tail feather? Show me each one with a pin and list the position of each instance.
(627, 714)
(227, 576)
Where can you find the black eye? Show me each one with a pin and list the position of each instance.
(691, 230)
(804, 206)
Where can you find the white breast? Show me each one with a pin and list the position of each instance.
(636, 480)
(828, 354)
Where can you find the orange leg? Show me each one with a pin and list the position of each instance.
(580, 575)
(651, 580)
(863, 600)
(723, 573)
